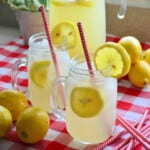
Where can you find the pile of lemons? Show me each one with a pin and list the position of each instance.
(139, 73)
(125, 58)
(32, 123)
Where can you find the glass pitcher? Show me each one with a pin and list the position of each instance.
(64, 15)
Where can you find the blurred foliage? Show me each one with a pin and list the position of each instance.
(27, 5)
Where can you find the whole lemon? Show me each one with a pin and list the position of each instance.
(139, 74)
(146, 55)
(133, 47)
(5, 121)
(32, 125)
(14, 101)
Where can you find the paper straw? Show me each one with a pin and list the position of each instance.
(146, 133)
(49, 39)
(132, 142)
(52, 49)
(120, 146)
(84, 45)
(147, 126)
(123, 145)
(142, 119)
(136, 134)
(110, 140)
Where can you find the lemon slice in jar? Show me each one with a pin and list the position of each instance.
(39, 71)
(64, 33)
(86, 101)
(63, 2)
(86, 2)
(114, 55)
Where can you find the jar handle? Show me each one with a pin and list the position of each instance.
(58, 101)
(15, 70)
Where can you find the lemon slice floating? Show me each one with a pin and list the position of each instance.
(114, 55)
(63, 2)
(64, 32)
(86, 102)
(39, 72)
(86, 2)
(70, 2)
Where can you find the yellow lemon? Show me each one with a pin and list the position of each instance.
(114, 55)
(139, 74)
(5, 121)
(146, 55)
(39, 72)
(86, 2)
(14, 101)
(86, 101)
(133, 47)
(32, 125)
(64, 33)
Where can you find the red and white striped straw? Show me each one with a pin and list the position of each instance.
(42, 9)
(142, 119)
(135, 133)
(124, 145)
(84, 45)
(113, 138)
(132, 142)
(147, 126)
(110, 140)
(146, 133)
(120, 145)
(54, 58)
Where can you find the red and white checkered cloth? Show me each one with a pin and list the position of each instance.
(132, 102)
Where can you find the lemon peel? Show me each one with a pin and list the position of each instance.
(114, 55)
(65, 33)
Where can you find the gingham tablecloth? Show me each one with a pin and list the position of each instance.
(132, 102)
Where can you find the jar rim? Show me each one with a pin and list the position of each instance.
(79, 65)
(38, 38)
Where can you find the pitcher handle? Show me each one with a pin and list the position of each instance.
(122, 11)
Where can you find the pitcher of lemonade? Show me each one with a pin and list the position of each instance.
(64, 15)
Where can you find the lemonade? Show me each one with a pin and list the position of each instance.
(41, 70)
(39, 90)
(90, 104)
(91, 99)
(90, 13)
